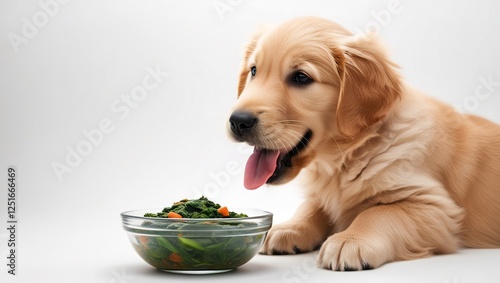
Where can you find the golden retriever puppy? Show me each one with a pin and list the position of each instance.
(390, 174)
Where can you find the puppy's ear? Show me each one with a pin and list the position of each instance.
(369, 84)
(248, 51)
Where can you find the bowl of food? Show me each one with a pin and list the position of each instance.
(196, 236)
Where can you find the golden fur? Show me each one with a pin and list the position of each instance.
(390, 174)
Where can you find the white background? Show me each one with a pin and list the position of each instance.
(77, 60)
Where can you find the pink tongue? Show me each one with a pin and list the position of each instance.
(260, 166)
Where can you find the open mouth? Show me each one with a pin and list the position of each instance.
(267, 165)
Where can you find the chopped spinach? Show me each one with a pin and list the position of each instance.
(202, 253)
(205, 245)
(195, 208)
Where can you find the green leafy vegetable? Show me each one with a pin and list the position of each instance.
(200, 245)
(196, 208)
(191, 243)
(181, 253)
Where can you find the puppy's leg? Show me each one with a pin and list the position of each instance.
(305, 232)
(399, 231)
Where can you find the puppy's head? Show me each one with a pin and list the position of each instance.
(303, 84)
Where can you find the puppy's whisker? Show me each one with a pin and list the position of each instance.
(297, 136)
(275, 144)
(287, 143)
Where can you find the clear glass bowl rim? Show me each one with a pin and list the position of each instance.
(262, 215)
(132, 222)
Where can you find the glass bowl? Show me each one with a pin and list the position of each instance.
(197, 245)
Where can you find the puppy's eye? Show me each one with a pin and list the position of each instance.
(301, 78)
(253, 71)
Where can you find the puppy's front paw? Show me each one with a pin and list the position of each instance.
(290, 238)
(348, 252)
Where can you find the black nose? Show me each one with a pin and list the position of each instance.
(242, 122)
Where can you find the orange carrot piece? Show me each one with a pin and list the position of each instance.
(143, 240)
(175, 257)
(172, 214)
(223, 211)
